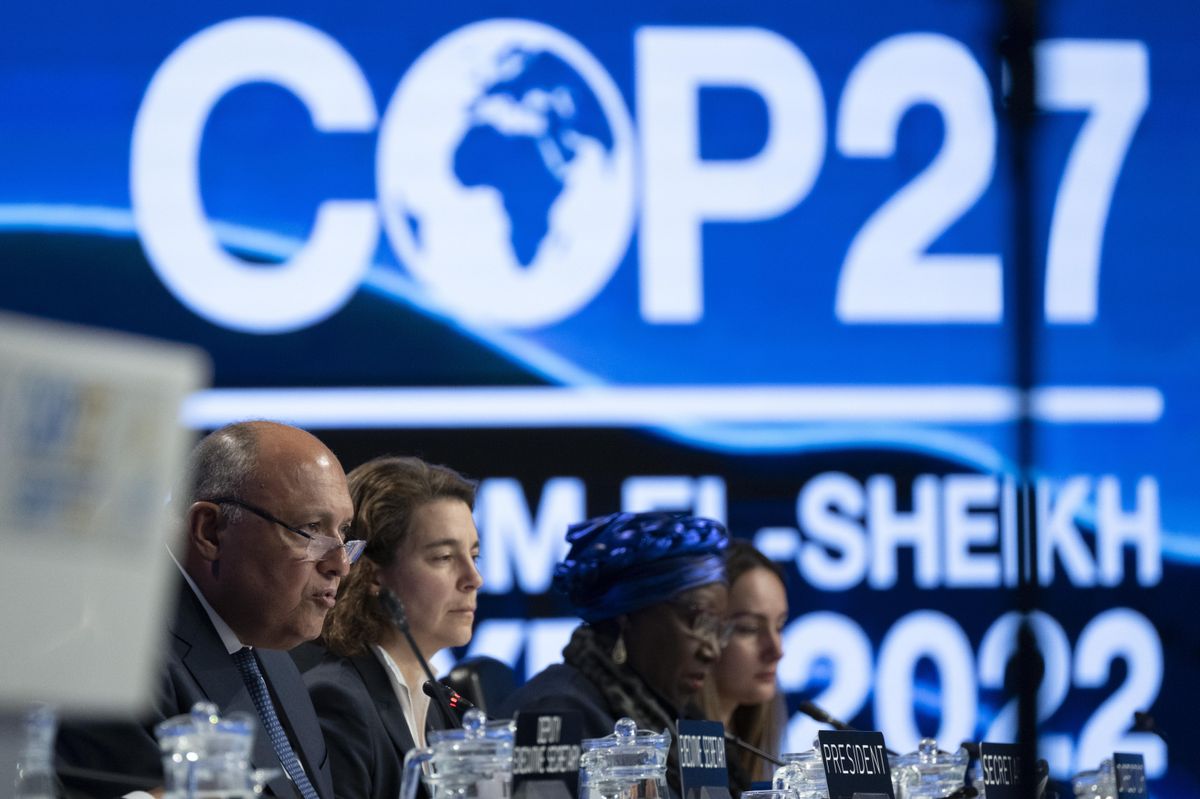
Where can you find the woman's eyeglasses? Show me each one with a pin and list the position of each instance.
(702, 623)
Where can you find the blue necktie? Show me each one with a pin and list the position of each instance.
(248, 666)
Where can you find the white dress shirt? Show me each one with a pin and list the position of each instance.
(414, 704)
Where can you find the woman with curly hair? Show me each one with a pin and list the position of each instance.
(422, 545)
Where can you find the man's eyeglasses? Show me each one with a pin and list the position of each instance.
(703, 624)
(318, 546)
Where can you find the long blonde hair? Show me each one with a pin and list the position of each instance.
(761, 724)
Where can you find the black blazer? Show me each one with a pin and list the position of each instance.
(563, 687)
(364, 725)
(198, 668)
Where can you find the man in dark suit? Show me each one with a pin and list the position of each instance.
(264, 548)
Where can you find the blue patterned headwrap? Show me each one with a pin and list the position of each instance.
(623, 562)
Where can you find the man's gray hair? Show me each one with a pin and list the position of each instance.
(221, 465)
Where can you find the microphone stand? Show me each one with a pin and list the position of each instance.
(817, 713)
(395, 610)
(754, 750)
(1144, 722)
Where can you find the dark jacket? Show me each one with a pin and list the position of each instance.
(364, 725)
(563, 687)
(198, 668)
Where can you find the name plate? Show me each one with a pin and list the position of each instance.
(546, 754)
(856, 763)
(702, 770)
(1001, 768)
(1130, 772)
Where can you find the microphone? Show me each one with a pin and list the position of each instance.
(818, 714)
(457, 701)
(395, 609)
(754, 750)
(1144, 722)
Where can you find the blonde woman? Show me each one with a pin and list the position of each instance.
(743, 693)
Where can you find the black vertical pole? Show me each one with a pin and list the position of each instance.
(1017, 45)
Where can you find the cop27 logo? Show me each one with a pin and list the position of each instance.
(510, 176)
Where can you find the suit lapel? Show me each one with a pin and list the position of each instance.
(295, 711)
(375, 678)
(217, 676)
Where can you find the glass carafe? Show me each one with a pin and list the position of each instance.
(928, 773)
(802, 773)
(474, 762)
(629, 764)
(207, 756)
(35, 766)
(1098, 784)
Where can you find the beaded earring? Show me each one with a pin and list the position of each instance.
(619, 654)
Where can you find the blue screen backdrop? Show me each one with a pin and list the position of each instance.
(752, 259)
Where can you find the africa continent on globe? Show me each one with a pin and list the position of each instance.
(527, 129)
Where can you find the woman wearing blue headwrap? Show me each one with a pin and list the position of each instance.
(651, 590)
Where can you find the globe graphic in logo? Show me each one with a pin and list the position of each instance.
(505, 173)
